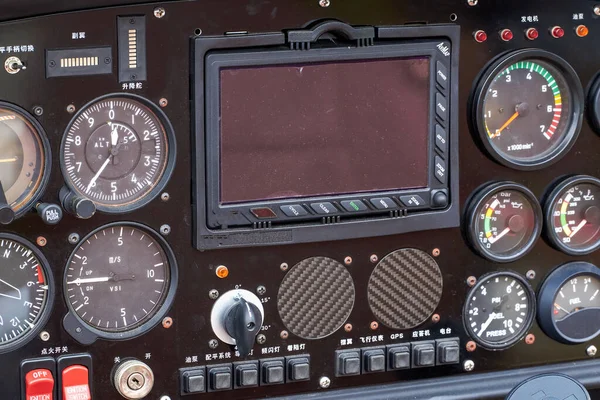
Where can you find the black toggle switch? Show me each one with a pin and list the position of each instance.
(243, 322)
(7, 215)
(50, 213)
(80, 207)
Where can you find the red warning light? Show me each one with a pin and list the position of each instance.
(532, 33)
(506, 35)
(480, 36)
(557, 32)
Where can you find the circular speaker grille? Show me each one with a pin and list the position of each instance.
(316, 297)
(405, 289)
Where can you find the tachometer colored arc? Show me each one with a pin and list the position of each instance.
(25, 158)
(118, 151)
(569, 303)
(499, 310)
(573, 215)
(505, 221)
(26, 291)
(527, 109)
(120, 280)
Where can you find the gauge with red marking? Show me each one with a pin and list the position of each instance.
(26, 291)
(528, 109)
(573, 215)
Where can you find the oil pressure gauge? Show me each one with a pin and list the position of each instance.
(505, 221)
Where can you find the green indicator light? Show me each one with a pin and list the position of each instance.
(354, 206)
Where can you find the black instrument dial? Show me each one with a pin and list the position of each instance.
(573, 215)
(569, 303)
(528, 110)
(26, 291)
(118, 279)
(499, 310)
(505, 221)
(24, 158)
(118, 152)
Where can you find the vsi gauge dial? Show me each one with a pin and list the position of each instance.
(569, 303)
(505, 221)
(573, 215)
(528, 109)
(26, 291)
(499, 310)
(24, 159)
(118, 152)
(119, 282)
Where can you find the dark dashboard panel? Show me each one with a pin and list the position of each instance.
(426, 314)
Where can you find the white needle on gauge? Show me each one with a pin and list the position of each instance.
(80, 281)
(578, 228)
(560, 308)
(493, 239)
(8, 160)
(487, 324)
(114, 137)
(100, 171)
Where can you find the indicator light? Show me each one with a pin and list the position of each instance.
(582, 31)
(480, 36)
(222, 271)
(532, 33)
(506, 35)
(557, 32)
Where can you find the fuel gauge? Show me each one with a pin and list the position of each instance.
(505, 221)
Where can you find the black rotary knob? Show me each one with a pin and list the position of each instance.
(79, 206)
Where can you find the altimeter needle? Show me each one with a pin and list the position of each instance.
(8, 160)
(100, 171)
(506, 124)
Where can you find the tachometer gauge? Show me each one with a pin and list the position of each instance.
(120, 281)
(528, 109)
(24, 158)
(569, 303)
(505, 221)
(26, 291)
(499, 310)
(573, 215)
(118, 152)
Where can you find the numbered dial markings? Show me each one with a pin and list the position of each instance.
(24, 291)
(499, 310)
(578, 294)
(118, 278)
(115, 152)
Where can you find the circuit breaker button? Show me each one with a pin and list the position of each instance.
(39, 385)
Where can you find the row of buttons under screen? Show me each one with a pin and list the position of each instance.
(397, 357)
(441, 110)
(245, 374)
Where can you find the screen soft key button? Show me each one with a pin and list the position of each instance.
(294, 210)
(324, 208)
(354, 205)
(383, 203)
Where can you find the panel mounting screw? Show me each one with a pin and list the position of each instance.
(591, 351)
(163, 102)
(436, 252)
(374, 258)
(324, 382)
(472, 2)
(530, 275)
(348, 327)
(435, 318)
(165, 230)
(324, 3)
(471, 281)
(374, 325)
(45, 336)
(165, 196)
(37, 110)
(597, 10)
(261, 290)
(165, 398)
(261, 339)
(70, 108)
(284, 266)
(73, 238)
(213, 294)
(159, 12)
(348, 260)
(471, 346)
(530, 339)
(167, 322)
(469, 365)
(41, 241)
(213, 344)
(284, 335)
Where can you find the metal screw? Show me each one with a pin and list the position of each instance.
(165, 398)
(213, 294)
(159, 12)
(597, 10)
(348, 327)
(163, 102)
(167, 322)
(37, 110)
(41, 241)
(107, 60)
(471, 281)
(435, 318)
(261, 339)
(71, 109)
(213, 344)
(472, 2)
(348, 260)
(45, 336)
(52, 63)
(73, 238)
(374, 325)
(591, 351)
(198, 32)
(165, 196)
(471, 346)
(436, 252)
(374, 258)
(284, 266)
(284, 335)
(261, 290)
(469, 365)
(324, 382)
(530, 339)
(165, 230)
(530, 275)
(136, 381)
(78, 330)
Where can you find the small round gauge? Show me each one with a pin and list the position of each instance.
(26, 291)
(569, 303)
(528, 109)
(120, 280)
(505, 221)
(573, 215)
(24, 158)
(499, 310)
(118, 151)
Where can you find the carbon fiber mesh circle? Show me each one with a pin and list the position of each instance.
(405, 289)
(316, 297)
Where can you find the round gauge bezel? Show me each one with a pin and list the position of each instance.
(169, 166)
(548, 292)
(557, 190)
(490, 73)
(46, 153)
(45, 313)
(88, 334)
(477, 202)
(526, 326)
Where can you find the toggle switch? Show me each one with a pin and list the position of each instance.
(39, 385)
(76, 383)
